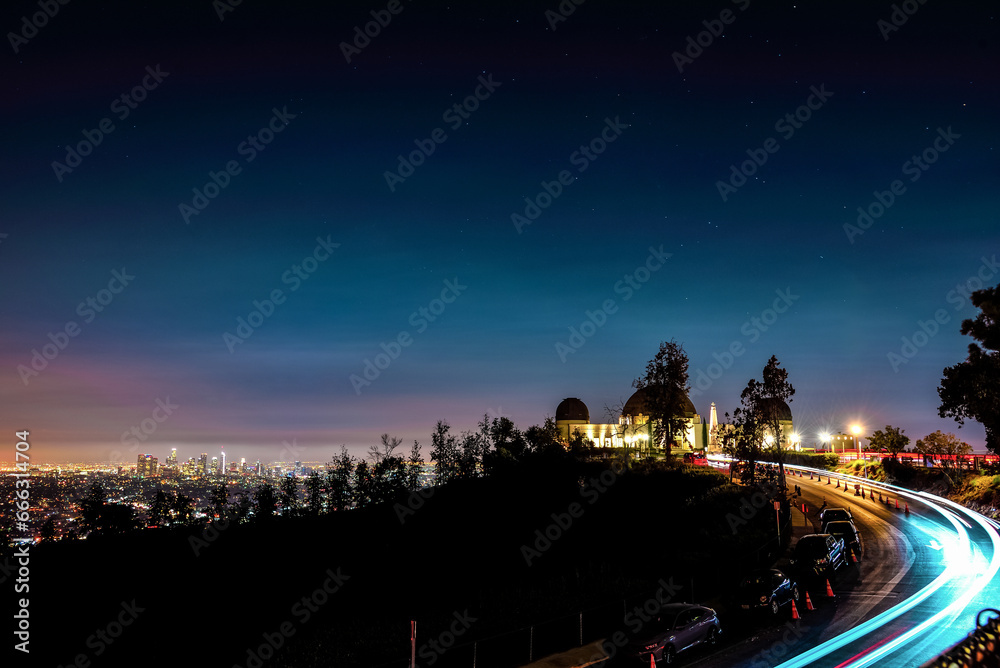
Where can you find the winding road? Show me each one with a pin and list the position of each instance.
(923, 578)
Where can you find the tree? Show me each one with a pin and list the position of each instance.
(504, 445)
(971, 389)
(891, 440)
(542, 438)
(159, 510)
(289, 496)
(767, 400)
(742, 437)
(182, 508)
(666, 389)
(339, 480)
(265, 502)
(444, 453)
(413, 467)
(940, 443)
(48, 531)
(92, 507)
(314, 494)
(218, 500)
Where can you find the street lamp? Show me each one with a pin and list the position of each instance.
(795, 440)
(856, 430)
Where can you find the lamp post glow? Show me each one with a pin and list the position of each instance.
(825, 438)
(856, 430)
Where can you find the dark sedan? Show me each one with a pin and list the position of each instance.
(678, 627)
(819, 554)
(847, 532)
(767, 589)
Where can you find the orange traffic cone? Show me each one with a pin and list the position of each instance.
(862, 493)
(809, 603)
(838, 483)
(795, 611)
(828, 480)
(829, 589)
(652, 661)
(810, 475)
(907, 508)
(854, 557)
(897, 504)
(880, 497)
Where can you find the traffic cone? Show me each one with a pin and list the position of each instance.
(838, 483)
(829, 589)
(828, 480)
(897, 504)
(907, 508)
(880, 497)
(652, 661)
(795, 611)
(809, 603)
(862, 493)
(854, 557)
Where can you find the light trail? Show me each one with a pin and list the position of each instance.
(959, 557)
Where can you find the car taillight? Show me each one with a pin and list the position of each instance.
(763, 599)
(653, 646)
(821, 561)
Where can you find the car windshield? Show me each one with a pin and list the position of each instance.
(811, 547)
(836, 514)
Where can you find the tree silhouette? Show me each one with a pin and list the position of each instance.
(314, 494)
(891, 440)
(265, 502)
(339, 480)
(666, 388)
(971, 389)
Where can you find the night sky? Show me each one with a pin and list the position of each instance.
(591, 111)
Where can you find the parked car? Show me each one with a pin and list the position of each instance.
(847, 532)
(819, 554)
(678, 627)
(766, 589)
(835, 514)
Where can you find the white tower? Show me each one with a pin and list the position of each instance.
(713, 423)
